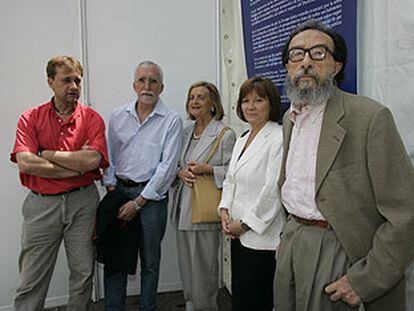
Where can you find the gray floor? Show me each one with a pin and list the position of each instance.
(171, 301)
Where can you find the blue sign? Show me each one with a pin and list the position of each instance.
(267, 25)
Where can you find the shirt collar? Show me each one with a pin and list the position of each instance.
(159, 109)
(305, 110)
(75, 114)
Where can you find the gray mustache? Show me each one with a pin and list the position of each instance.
(306, 72)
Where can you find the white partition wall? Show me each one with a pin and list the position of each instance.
(179, 35)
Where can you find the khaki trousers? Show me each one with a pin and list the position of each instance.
(310, 258)
(47, 221)
(199, 267)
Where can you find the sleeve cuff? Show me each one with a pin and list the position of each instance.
(219, 175)
(104, 161)
(149, 194)
(255, 223)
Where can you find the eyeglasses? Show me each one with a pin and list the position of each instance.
(317, 52)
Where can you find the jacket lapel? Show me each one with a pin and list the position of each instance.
(256, 145)
(331, 138)
(206, 140)
(287, 132)
(188, 132)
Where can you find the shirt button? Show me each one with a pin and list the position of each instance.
(61, 149)
(61, 133)
(59, 120)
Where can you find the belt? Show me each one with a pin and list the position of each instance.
(312, 222)
(59, 193)
(130, 183)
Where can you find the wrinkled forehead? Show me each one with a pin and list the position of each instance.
(311, 37)
(147, 71)
(66, 70)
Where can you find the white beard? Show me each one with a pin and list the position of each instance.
(311, 95)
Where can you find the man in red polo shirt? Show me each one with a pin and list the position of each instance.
(59, 148)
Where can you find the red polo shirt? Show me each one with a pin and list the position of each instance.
(40, 128)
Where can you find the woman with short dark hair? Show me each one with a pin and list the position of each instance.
(250, 207)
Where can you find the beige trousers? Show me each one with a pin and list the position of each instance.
(198, 261)
(49, 220)
(310, 258)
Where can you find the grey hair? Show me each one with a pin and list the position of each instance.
(150, 63)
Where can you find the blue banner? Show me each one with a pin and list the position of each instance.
(267, 25)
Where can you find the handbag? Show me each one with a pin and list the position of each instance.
(205, 196)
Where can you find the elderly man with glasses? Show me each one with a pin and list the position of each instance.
(144, 141)
(346, 185)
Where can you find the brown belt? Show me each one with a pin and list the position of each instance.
(312, 222)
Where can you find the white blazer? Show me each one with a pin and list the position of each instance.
(250, 190)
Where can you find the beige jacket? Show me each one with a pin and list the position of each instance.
(365, 189)
(181, 214)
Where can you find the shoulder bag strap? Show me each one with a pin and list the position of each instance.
(216, 143)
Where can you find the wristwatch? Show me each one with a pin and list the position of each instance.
(244, 225)
(135, 205)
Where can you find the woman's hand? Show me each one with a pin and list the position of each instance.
(225, 220)
(199, 168)
(236, 228)
(187, 177)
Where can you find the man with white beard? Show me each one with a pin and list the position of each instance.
(346, 185)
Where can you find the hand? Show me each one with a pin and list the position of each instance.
(85, 145)
(341, 289)
(277, 251)
(199, 168)
(225, 220)
(110, 188)
(127, 211)
(187, 177)
(236, 228)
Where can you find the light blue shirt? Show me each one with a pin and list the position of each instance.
(144, 152)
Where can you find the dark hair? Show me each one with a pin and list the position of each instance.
(213, 97)
(62, 61)
(264, 88)
(340, 51)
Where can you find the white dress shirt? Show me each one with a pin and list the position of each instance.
(146, 151)
(298, 190)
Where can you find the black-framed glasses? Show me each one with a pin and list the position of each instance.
(317, 52)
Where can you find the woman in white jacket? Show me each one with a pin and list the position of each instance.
(250, 206)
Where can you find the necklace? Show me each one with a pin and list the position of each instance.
(64, 113)
(201, 132)
(68, 113)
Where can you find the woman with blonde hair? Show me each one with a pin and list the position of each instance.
(198, 243)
